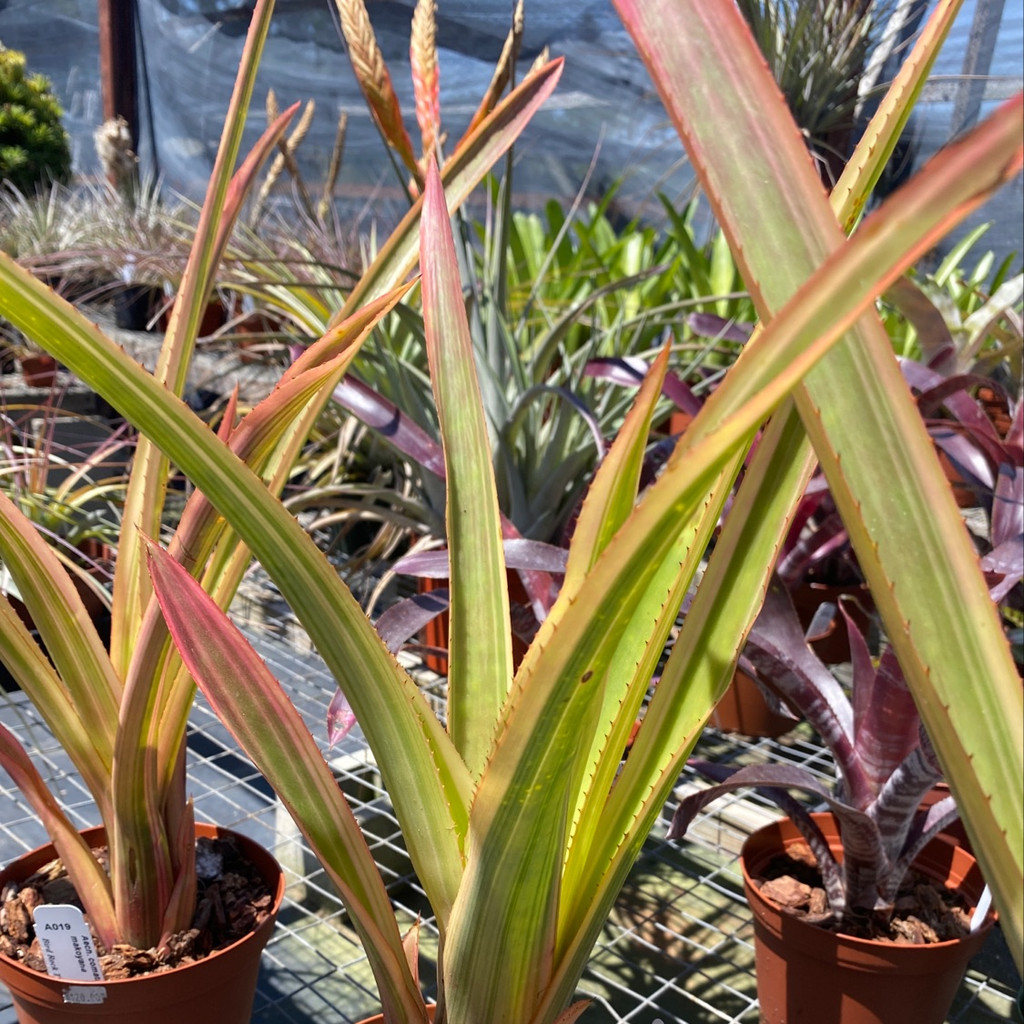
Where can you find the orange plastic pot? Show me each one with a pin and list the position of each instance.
(955, 832)
(808, 975)
(39, 371)
(831, 644)
(744, 710)
(218, 989)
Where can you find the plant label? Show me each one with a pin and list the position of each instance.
(66, 944)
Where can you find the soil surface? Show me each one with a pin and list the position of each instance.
(924, 912)
(232, 900)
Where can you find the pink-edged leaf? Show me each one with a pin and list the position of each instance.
(243, 179)
(347, 335)
(475, 155)
(902, 520)
(480, 637)
(573, 1013)
(612, 493)
(181, 905)
(411, 945)
(158, 711)
(35, 674)
(249, 700)
(226, 194)
(87, 876)
(340, 718)
(144, 500)
(91, 690)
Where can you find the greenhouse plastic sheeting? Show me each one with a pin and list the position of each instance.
(604, 111)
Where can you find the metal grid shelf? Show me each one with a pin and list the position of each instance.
(677, 948)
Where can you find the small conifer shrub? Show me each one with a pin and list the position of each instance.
(34, 147)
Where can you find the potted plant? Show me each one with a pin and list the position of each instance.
(815, 940)
(120, 710)
(518, 814)
(127, 742)
(683, 57)
(38, 368)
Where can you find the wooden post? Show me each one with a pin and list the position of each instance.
(118, 71)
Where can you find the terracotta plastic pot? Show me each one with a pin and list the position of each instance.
(744, 710)
(218, 989)
(39, 371)
(955, 832)
(808, 975)
(830, 643)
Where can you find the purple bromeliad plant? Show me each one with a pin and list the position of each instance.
(884, 762)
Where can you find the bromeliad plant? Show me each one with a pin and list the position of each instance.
(885, 766)
(519, 816)
(984, 444)
(120, 711)
(552, 302)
